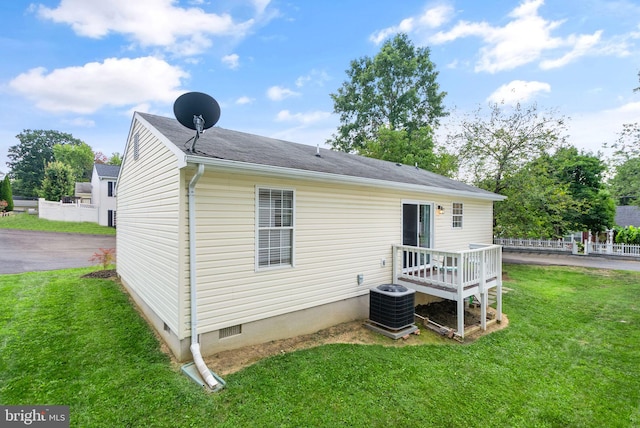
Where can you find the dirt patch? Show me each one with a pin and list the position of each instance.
(446, 313)
(227, 362)
(102, 274)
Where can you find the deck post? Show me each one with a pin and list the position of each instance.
(461, 267)
(499, 287)
(483, 291)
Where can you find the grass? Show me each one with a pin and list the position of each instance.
(32, 222)
(569, 358)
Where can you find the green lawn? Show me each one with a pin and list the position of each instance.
(33, 222)
(569, 358)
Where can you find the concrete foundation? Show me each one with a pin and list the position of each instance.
(284, 326)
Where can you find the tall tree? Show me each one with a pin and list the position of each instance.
(115, 159)
(625, 184)
(584, 174)
(494, 147)
(58, 181)
(29, 158)
(6, 194)
(536, 204)
(395, 90)
(78, 156)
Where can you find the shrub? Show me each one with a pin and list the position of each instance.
(104, 257)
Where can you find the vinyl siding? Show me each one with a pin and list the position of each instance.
(149, 220)
(341, 231)
(477, 224)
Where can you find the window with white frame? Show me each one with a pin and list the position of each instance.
(457, 213)
(275, 227)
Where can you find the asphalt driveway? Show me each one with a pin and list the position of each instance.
(599, 262)
(28, 251)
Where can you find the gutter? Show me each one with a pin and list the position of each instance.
(195, 345)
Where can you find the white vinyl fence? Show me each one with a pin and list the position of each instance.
(586, 247)
(67, 212)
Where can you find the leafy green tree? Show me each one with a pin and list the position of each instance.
(115, 159)
(535, 206)
(395, 90)
(553, 195)
(58, 181)
(625, 184)
(29, 158)
(6, 193)
(492, 148)
(416, 150)
(78, 156)
(584, 173)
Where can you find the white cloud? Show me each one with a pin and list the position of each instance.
(432, 18)
(232, 61)
(260, 5)
(522, 40)
(114, 82)
(244, 100)
(315, 77)
(581, 46)
(184, 31)
(518, 91)
(278, 93)
(609, 122)
(302, 118)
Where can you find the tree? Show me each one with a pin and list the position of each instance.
(29, 158)
(491, 148)
(78, 156)
(553, 195)
(58, 181)
(115, 159)
(395, 90)
(625, 184)
(584, 174)
(535, 205)
(6, 193)
(99, 157)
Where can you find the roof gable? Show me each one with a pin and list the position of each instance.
(107, 171)
(224, 144)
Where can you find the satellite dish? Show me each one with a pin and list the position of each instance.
(197, 111)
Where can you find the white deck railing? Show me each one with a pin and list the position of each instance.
(452, 275)
(454, 270)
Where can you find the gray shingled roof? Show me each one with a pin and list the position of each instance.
(110, 171)
(220, 143)
(628, 215)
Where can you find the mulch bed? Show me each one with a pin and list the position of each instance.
(101, 274)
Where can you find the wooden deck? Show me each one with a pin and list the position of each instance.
(452, 275)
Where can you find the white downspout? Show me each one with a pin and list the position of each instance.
(195, 346)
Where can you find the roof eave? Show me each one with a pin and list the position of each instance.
(278, 171)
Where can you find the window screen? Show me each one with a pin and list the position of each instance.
(275, 227)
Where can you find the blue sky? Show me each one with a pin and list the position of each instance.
(84, 66)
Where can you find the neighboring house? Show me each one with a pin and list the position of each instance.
(285, 239)
(83, 192)
(627, 215)
(103, 192)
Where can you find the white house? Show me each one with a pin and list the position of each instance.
(248, 239)
(103, 192)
